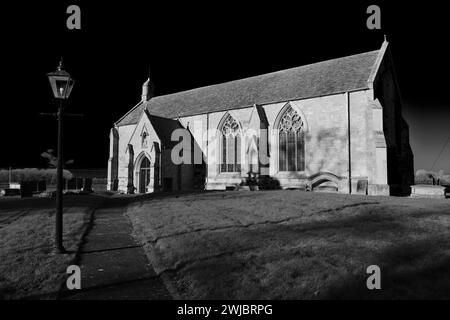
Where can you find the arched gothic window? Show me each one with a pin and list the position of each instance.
(291, 142)
(231, 146)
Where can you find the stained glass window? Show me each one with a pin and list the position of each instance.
(291, 142)
(231, 146)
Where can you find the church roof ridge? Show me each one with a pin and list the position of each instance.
(268, 73)
(129, 112)
(307, 81)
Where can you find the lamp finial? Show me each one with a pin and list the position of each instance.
(60, 66)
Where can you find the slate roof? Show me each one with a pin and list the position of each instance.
(317, 79)
(164, 127)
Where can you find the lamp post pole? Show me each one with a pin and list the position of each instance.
(59, 183)
(61, 83)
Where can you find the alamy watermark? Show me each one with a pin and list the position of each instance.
(74, 280)
(374, 280)
(188, 150)
(374, 20)
(74, 20)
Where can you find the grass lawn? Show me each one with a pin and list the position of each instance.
(296, 245)
(28, 267)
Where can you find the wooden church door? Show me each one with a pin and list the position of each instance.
(144, 175)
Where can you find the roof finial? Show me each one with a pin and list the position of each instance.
(149, 72)
(147, 88)
(385, 38)
(60, 66)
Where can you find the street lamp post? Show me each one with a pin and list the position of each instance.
(62, 84)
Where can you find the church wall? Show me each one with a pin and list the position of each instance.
(214, 150)
(129, 175)
(376, 141)
(371, 126)
(377, 147)
(148, 149)
(194, 175)
(125, 133)
(216, 179)
(326, 144)
(380, 150)
(169, 172)
(113, 161)
(181, 177)
(243, 116)
(187, 177)
(359, 136)
(197, 125)
(326, 135)
(399, 154)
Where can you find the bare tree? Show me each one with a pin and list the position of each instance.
(52, 160)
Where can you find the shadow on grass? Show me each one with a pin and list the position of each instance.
(280, 223)
(297, 260)
(92, 293)
(85, 229)
(413, 270)
(143, 199)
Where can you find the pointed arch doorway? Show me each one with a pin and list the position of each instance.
(144, 175)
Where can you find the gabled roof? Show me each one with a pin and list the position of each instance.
(164, 128)
(323, 78)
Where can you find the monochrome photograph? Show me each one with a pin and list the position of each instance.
(222, 158)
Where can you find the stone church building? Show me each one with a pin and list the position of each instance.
(333, 125)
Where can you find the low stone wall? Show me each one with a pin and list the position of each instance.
(427, 191)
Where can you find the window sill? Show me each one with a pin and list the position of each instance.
(291, 174)
(236, 175)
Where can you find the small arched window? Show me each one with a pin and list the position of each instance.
(291, 142)
(230, 160)
(144, 136)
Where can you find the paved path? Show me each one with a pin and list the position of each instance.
(113, 265)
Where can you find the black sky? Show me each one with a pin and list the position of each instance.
(191, 44)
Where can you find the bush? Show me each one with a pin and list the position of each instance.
(445, 180)
(430, 177)
(33, 174)
(268, 183)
